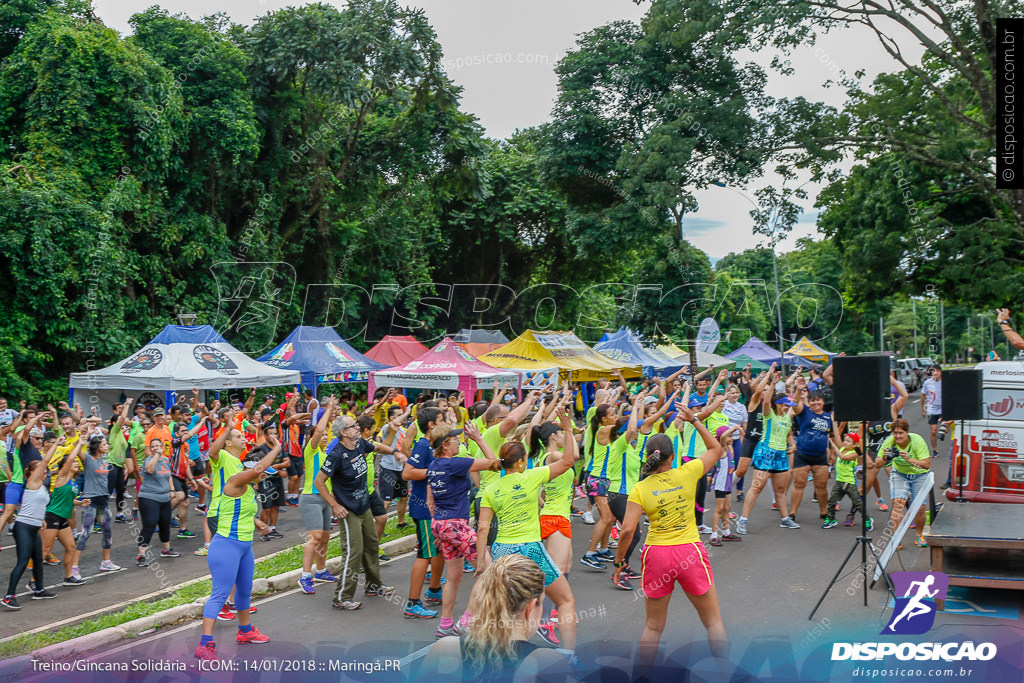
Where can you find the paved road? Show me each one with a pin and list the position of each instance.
(817, 551)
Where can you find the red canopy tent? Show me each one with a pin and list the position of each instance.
(396, 350)
(446, 366)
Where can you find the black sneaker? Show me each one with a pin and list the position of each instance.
(73, 581)
(274, 533)
(43, 595)
(170, 552)
(141, 561)
(10, 602)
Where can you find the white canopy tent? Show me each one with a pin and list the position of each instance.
(174, 362)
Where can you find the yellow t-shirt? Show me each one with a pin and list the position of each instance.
(668, 499)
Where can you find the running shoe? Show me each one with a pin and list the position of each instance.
(96, 528)
(169, 552)
(733, 515)
(467, 568)
(347, 604)
(51, 559)
(306, 584)
(225, 614)
(588, 517)
(850, 519)
(591, 560)
(185, 533)
(403, 525)
(264, 537)
(43, 595)
(947, 485)
(379, 591)
(141, 561)
(788, 523)
(714, 541)
(253, 636)
(175, 524)
(547, 634)
(207, 653)
(913, 525)
(741, 526)
(418, 611)
(108, 566)
(554, 610)
(920, 542)
(881, 505)
(829, 523)
(605, 555)
(384, 557)
(814, 499)
(871, 524)
(231, 606)
(201, 551)
(72, 581)
(627, 571)
(612, 543)
(274, 533)
(731, 537)
(324, 576)
(704, 529)
(10, 602)
(121, 519)
(622, 584)
(433, 597)
(615, 531)
(201, 509)
(452, 630)
(775, 506)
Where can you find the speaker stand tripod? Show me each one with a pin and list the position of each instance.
(863, 541)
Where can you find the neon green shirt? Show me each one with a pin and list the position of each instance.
(558, 491)
(514, 498)
(777, 428)
(492, 436)
(846, 469)
(916, 449)
(223, 469)
(237, 518)
(313, 459)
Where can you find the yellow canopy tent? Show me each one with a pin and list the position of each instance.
(805, 348)
(704, 358)
(563, 350)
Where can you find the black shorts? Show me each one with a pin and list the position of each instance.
(426, 545)
(180, 484)
(392, 485)
(270, 492)
(52, 521)
(804, 460)
(492, 533)
(296, 466)
(198, 467)
(747, 450)
(722, 494)
(212, 523)
(934, 419)
(377, 506)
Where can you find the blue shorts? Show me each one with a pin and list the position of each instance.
(769, 459)
(905, 486)
(535, 551)
(12, 494)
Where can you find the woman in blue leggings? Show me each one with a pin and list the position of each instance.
(230, 556)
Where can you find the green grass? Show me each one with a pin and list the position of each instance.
(284, 561)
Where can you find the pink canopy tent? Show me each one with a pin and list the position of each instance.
(446, 366)
(396, 350)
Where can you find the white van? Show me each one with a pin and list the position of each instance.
(992, 462)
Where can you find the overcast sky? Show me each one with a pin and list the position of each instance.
(504, 54)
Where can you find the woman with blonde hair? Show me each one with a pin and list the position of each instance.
(507, 606)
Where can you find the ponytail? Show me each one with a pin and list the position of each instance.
(511, 452)
(506, 586)
(595, 424)
(659, 451)
(536, 441)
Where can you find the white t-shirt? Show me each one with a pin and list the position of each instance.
(931, 394)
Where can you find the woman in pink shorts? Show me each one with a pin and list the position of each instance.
(448, 485)
(674, 553)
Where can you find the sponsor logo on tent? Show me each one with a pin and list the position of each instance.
(462, 352)
(146, 359)
(150, 400)
(284, 353)
(213, 358)
(413, 364)
(338, 354)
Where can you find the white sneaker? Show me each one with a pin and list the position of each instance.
(108, 566)
(612, 543)
(588, 517)
(704, 529)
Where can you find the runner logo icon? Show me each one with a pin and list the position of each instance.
(914, 613)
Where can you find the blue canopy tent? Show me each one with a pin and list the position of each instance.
(758, 350)
(624, 345)
(321, 356)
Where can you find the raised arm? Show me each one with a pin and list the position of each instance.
(661, 411)
(568, 459)
(235, 486)
(509, 424)
(901, 398)
(714, 449)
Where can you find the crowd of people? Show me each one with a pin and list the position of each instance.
(489, 487)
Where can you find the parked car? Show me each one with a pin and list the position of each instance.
(909, 372)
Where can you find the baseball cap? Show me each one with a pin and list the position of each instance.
(252, 463)
(722, 429)
(650, 399)
(784, 400)
(441, 439)
(854, 436)
(158, 411)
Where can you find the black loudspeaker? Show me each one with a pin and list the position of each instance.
(861, 388)
(961, 395)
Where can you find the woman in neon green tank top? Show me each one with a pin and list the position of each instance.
(231, 560)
